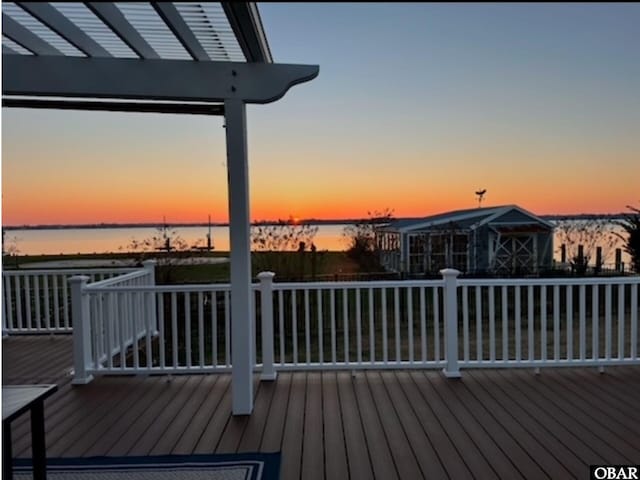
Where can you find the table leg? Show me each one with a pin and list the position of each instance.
(37, 440)
(7, 454)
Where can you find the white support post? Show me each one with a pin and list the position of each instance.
(452, 369)
(150, 267)
(81, 330)
(266, 311)
(239, 231)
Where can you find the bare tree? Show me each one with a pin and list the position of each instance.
(285, 247)
(583, 238)
(631, 225)
(361, 238)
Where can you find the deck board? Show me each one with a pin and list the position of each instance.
(374, 424)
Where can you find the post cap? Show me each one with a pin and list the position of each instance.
(266, 275)
(449, 272)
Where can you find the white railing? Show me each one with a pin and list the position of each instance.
(548, 322)
(112, 318)
(354, 325)
(447, 323)
(39, 301)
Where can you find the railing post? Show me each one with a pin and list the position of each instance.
(266, 313)
(150, 267)
(449, 275)
(6, 305)
(81, 330)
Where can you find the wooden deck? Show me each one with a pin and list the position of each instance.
(404, 424)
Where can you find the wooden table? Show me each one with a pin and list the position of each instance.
(16, 400)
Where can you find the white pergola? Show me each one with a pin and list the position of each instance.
(165, 57)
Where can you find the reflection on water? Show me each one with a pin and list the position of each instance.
(116, 240)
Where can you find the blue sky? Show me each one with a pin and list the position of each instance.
(415, 107)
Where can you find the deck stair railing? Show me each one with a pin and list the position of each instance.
(39, 301)
(111, 318)
(449, 324)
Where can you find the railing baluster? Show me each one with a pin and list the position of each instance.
(123, 320)
(607, 324)
(518, 323)
(530, 322)
(569, 290)
(36, 295)
(396, 315)
(543, 323)
(214, 328)
(8, 304)
(492, 320)
(47, 303)
(16, 283)
(161, 338)
(174, 329)
(621, 321)
(582, 319)
(345, 322)
(372, 331)
(27, 303)
(465, 323)
(148, 297)
(358, 328)
(595, 322)
(294, 326)
(479, 335)
(634, 321)
(423, 324)
(320, 328)
(283, 358)
(556, 322)
(505, 324)
(332, 300)
(227, 329)
(307, 326)
(201, 328)
(135, 315)
(410, 322)
(436, 324)
(187, 327)
(56, 303)
(65, 304)
(385, 351)
(109, 320)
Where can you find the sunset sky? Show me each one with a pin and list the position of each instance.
(416, 106)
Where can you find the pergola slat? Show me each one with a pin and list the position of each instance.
(180, 29)
(8, 51)
(29, 40)
(242, 17)
(116, 21)
(60, 24)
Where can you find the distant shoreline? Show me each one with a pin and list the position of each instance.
(348, 221)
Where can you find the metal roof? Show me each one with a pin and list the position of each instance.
(201, 31)
(464, 219)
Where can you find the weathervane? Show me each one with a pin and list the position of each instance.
(480, 194)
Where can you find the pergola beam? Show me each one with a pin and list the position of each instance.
(181, 30)
(64, 27)
(26, 38)
(129, 79)
(116, 21)
(106, 106)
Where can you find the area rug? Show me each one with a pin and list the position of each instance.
(246, 466)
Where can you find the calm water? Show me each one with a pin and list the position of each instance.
(106, 240)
